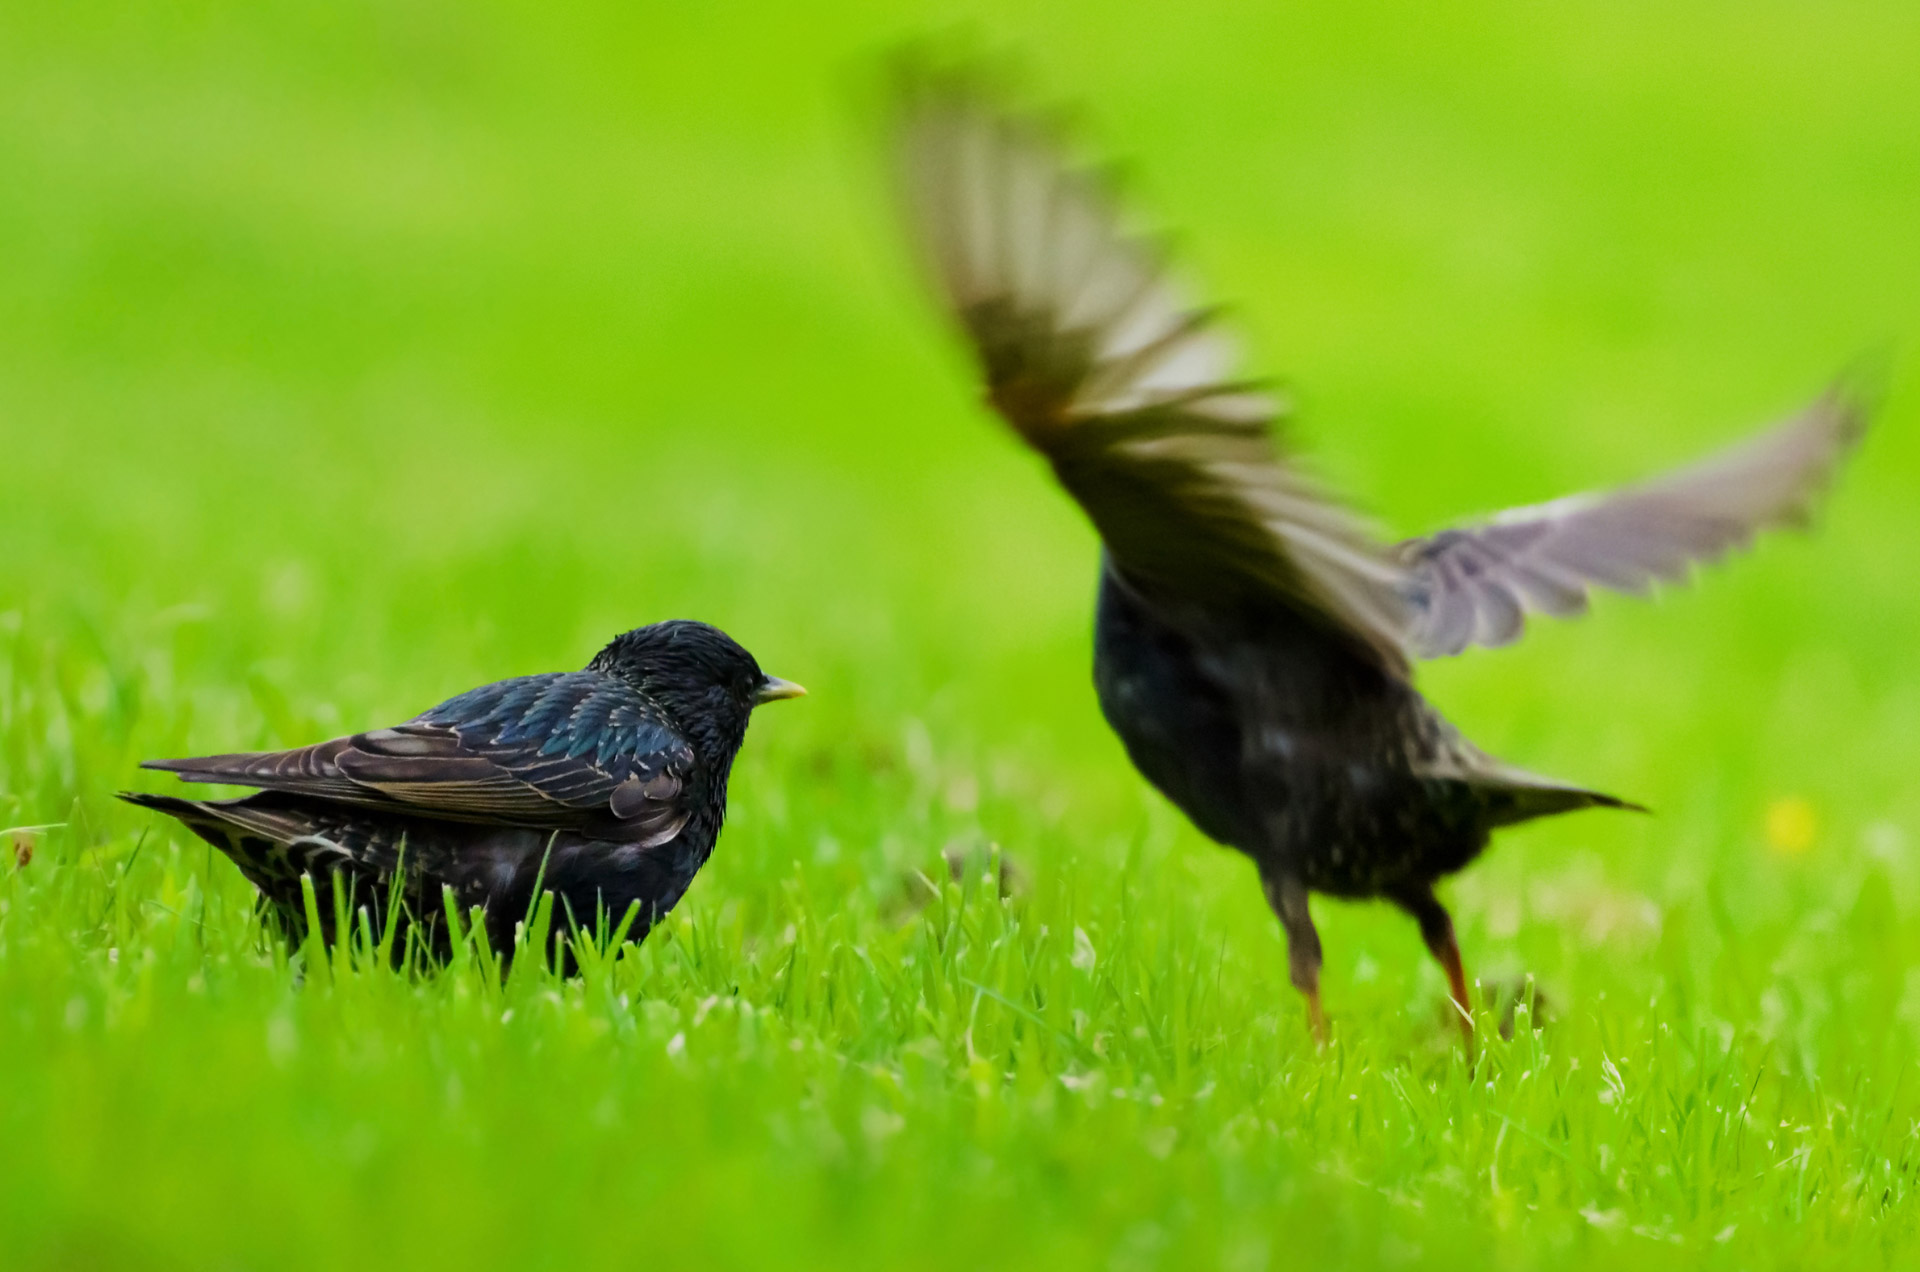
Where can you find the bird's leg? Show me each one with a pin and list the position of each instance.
(1288, 897)
(1436, 928)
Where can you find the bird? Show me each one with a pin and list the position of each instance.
(1254, 637)
(605, 787)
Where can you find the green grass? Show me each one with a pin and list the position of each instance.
(354, 354)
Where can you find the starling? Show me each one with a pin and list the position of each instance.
(605, 787)
(1253, 640)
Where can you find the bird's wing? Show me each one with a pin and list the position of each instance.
(1096, 358)
(1473, 585)
(579, 749)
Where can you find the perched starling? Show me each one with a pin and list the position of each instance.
(1253, 640)
(605, 787)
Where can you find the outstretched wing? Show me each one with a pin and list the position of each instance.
(1095, 357)
(1473, 585)
(575, 750)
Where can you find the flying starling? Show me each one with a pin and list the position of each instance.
(1253, 640)
(605, 787)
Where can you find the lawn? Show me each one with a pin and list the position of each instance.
(352, 354)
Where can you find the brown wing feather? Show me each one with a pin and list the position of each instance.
(470, 773)
(1093, 354)
(312, 769)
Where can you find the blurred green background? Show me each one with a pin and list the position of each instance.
(352, 354)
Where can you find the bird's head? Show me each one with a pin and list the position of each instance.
(697, 673)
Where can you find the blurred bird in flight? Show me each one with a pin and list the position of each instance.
(1253, 641)
(605, 787)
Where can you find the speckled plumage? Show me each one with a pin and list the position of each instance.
(1254, 640)
(606, 787)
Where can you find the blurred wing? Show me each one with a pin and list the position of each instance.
(1473, 585)
(1094, 356)
(574, 750)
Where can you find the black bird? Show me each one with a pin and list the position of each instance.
(1253, 641)
(605, 787)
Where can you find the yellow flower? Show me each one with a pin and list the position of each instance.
(1792, 825)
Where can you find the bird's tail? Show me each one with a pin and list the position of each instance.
(1509, 802)
(1510, 793)
(218, 820)
(196, 815)
(172, 805)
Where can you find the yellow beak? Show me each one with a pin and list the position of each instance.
(775, 689)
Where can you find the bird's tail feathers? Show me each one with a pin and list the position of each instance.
(1513, 794)
(1517, 802)
(172, 805)
(250, 813)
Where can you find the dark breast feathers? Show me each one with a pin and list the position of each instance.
(1285, 741)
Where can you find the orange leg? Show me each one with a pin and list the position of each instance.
(1316, 1018)
(1449, 956)
(1436, 928)
(1288, 897)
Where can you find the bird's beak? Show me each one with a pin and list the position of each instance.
(772, 689)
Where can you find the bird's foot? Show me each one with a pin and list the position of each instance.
(1317, 1021)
